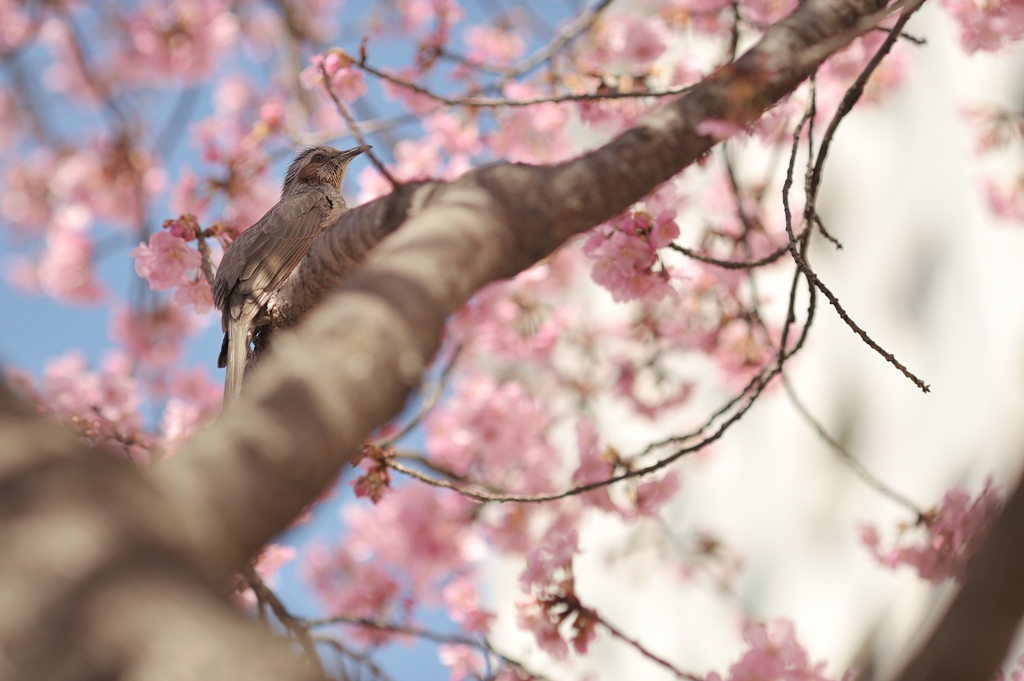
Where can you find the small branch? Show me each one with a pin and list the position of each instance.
(479, 643)
(497, 102)
(733, 265)
(354, 127)
(906, 36)
(856, 466)
(644, 651)
(361, 658)
(300, 631)
(562, 38)
(814, 179)
(206, 264)
(429, 403)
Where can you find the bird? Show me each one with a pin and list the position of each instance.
(260, 260)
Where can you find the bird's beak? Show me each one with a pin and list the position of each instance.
(352, 153)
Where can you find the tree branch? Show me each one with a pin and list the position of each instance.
(349, 368)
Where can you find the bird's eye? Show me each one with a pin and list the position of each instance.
(317, 158)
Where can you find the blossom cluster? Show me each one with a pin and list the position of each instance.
(776, 654)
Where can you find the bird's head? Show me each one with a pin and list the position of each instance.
(320, 165)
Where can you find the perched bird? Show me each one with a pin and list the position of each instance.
(260, 260)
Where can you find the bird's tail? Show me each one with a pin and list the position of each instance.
(237, 342)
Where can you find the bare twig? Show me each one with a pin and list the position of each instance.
(644, 651)
(852, 95)
(498, 102)
(855, 465)
(296, 626)
(562, 38)
(420, 632)
(354, 127)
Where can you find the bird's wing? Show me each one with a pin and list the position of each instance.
(265, 254)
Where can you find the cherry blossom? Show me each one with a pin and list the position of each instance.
(463, 661)
(952, 535)
(774, 654)
(467, 435)
(987, 26)
(493, 45)
(164, 260)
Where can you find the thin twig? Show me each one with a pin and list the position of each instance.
(294, 625)
(852, 95)
(644, 651)
(429, 403)
(361, 658)
(479, 643)
(354, 127)
(730, 264)
(562, 38)
(497, 102)
(861, 471)
(206, 263)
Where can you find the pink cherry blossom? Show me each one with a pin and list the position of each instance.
(952, 535)
(65, 270)
(594, 466)
(416, 102)
(531, 134)
(987, 26)
(463, 662)
(468, 435)
(453, 134)
(496, 46)
(503, 319)
(417, 527)
(102, 405)
(463, 604)
(164, 261)
(626, 258)
(653, 494)
(271, 559)
(154, 337)
(1007, 203)
(355, 588)
(194, 401)
(627, 42)
(196, 293)
(182, 38)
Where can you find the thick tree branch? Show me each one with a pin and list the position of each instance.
(97, 581)
(350, 366)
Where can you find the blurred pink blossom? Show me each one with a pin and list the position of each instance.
(987, 26)
(952, 535)
(65, 270)
(495, 432)
(164, 261)
(493, 46)
(625, 255)
(178, 38)
(626, 42)
(774, 654)
(153, 337)
(463, 604)
(462, 661)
